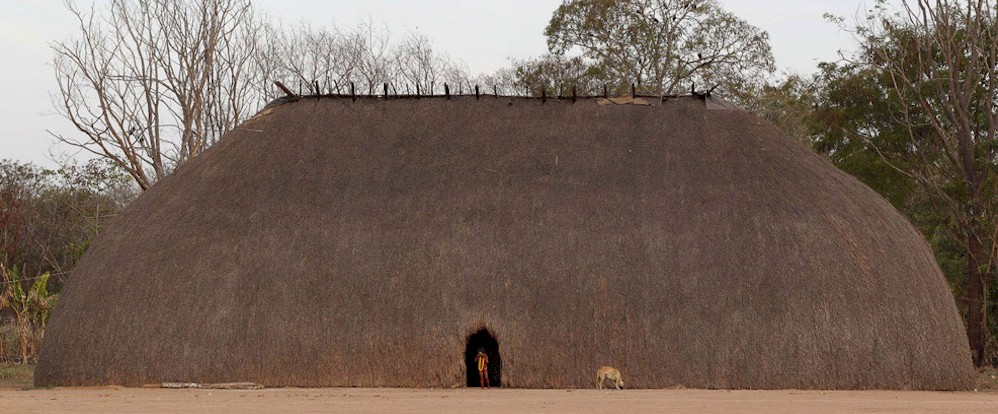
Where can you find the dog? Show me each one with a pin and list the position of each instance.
(611, 373)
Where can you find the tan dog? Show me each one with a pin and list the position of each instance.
(610, 373)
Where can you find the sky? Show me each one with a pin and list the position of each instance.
(483, 34)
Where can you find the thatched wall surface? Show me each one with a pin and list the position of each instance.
(328, 242)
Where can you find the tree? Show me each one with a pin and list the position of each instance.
(852, 122)
(305, 55)
(663, 45)
(939, 61)
(151, 83)
(551, 74)
(31, 306)
(418, 64)
(366, 55)
(5, 294)
(41, 303)
(48, 218)
(18, 302)
(787, 103)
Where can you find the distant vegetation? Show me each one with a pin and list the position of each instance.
(47, 220)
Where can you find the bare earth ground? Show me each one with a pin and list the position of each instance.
(111, 400)
(17, 397)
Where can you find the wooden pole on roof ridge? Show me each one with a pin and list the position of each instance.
(495, 91)
(476, 92)
(447, 90)
(284, 88)
(353, 95)
(386, 91)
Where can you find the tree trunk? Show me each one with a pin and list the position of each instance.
(975, 301)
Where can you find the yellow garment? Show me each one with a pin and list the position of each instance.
(482, 361)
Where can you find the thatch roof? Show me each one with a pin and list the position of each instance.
(332, 242)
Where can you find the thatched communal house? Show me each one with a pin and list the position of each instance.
(382, 242)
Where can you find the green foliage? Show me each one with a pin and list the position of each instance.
(853, 124)
(49, 217)
(663, 45)
(41, 301)
(550, 75)
(787, 104)
(32, 304)
(11, 278)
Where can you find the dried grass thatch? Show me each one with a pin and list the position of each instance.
(328, 242)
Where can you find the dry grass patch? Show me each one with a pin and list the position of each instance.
(987, 379)
(16, 375)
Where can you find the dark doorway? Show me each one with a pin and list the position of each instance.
(485, 341)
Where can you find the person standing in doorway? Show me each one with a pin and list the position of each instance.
(483, 368)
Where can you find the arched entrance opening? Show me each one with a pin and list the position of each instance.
(484, 341)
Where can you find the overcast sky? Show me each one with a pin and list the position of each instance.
(483, 34)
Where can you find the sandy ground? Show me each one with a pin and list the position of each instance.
(385, 400)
